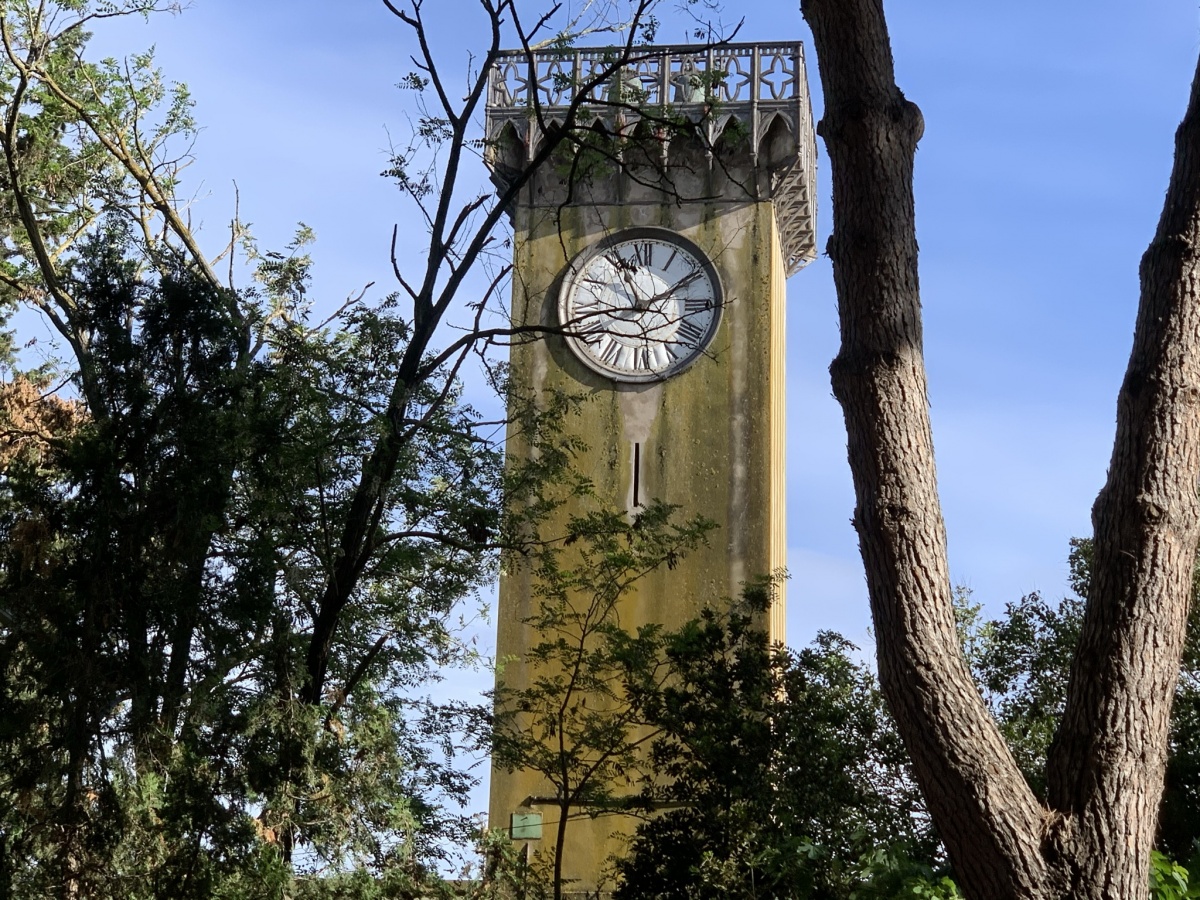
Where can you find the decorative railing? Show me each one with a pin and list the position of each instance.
(654, 76)
(712, 84)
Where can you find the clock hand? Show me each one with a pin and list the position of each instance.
(631, 288)
(681, 283)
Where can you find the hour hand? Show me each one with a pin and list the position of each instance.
(631, 289)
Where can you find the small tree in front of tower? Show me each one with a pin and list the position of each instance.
(573, 710)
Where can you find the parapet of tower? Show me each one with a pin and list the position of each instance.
(744, 109)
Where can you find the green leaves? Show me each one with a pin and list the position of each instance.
(585, 672)
(1169, 880)
(413, 81)
(891, 873)
(82, 140)
(778, 769)
(161, 573)
(1021, 662)
(573, 709)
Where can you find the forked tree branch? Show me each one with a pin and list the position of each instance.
(1107, 763)
(439, 287)
(1106, 768)
(979, 800)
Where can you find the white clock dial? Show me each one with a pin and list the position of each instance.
(640, 305)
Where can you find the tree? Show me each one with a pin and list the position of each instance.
(126, 746)
(775, 771)
(818, 799)
(580, 719)
(1104, 777)
(233, 543)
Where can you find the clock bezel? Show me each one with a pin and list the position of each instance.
(578, 266)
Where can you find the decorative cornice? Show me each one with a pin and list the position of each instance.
(763, 88)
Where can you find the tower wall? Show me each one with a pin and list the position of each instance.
(710, 440)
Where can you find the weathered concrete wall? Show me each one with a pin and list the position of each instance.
(711, 437)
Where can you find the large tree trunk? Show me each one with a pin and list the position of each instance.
(1105, 772)
(1106, 769)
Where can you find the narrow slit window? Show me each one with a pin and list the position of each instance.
(637, 472)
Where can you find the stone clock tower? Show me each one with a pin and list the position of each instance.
(667, 272)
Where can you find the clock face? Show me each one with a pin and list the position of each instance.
(640, 305)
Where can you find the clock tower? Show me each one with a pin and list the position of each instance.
(663, 273)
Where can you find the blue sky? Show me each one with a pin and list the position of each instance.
(1046, 152)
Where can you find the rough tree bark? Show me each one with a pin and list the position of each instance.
(1106, 767)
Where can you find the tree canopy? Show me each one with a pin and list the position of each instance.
(235, 535)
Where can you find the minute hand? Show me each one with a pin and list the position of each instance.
(681, 283)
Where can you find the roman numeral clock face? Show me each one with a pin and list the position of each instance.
(640, 305)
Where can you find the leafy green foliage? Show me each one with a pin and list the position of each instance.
(82, 139)
(160, 565)
(574, 712)
(1169, 880)
(1022, 663)
(889, 873)
(775, 771)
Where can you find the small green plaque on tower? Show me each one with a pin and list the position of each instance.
(526, 826)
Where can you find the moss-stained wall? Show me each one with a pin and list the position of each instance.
(710, 438)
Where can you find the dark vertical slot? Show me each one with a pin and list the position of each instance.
(637, 472)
